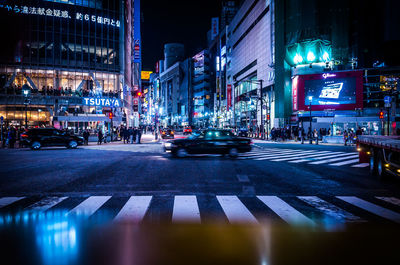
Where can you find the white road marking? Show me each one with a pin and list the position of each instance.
(285, 211)
(330, 209)
(361, 165)
(45, 203)
(267, 153)
(346, 162)
(333, 160)
(372, 208)
(90, 205)
(392, 200)
(235, 210)
(9, 200)
(134, 209)
(282, 155)
(186, 209)
(319, 158)
(243, 178)
(291, 157)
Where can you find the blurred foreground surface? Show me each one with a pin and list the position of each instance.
(62, 238)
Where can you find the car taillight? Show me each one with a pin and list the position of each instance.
(251, 142)
(24, 135)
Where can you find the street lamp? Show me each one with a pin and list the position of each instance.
(26, 90)
(310, 101)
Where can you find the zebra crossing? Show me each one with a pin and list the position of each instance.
(311, 157)
(294, 210)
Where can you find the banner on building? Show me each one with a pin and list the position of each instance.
(229, 96)
(214, 27)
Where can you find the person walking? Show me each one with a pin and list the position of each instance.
(316, 136)
(133, 135)
(86, 137)
(345, 137)
(11, 137)
(303, 135)
(99, 137)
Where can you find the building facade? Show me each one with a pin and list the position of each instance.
(249, 66)
(66, 54)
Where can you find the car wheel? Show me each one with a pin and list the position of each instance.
(233, 152)
(72, 144)
(36, 145)
(181, 153)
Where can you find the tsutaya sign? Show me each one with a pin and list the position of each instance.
(50, 12)
(102, 102)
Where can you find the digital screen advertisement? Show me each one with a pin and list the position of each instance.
(333, 90)
(330, 92)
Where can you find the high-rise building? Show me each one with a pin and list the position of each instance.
(74, 60)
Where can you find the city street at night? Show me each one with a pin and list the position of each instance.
(221, 132)
(291, 182)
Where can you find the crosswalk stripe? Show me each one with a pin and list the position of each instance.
(361, 165)
(320, 158)
(303, 156)
(134, 209)
(372, 208)
(45, 203)
(235, 210)
(186, 209)
(392, 200)
(90, 205)
(346, 162)
(267, 153)
(281, 155)
(333, 160)
(9, 200)
(284, 210)
(330, 209)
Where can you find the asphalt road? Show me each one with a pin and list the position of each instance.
(289, 182)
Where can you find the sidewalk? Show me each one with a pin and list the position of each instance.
(307, 142)
(145, 139)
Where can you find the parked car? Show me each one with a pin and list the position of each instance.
(209, 142)
(167, 134)
(187, 130)
(39, 137)
(243, 132)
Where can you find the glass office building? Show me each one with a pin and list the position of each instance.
(62, 50)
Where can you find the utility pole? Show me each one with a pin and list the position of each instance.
(261, 104)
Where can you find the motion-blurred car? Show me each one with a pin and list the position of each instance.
(39, 137)
(167, 134)
(187, 130)
(242, 132)
(209, 142)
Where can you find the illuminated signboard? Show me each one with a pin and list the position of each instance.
(52, 12)
(145, 75)
(102, 102)
(339, 90)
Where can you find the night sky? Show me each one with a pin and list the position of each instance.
(180, 21)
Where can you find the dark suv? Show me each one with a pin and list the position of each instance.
(36, 138)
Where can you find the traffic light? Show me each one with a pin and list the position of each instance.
(139, 94)
(110, 115)
(268, 117)
(381, 115)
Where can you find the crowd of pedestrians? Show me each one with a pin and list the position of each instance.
(131, 134)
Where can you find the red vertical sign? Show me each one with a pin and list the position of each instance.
(294, 93)
(229, 96)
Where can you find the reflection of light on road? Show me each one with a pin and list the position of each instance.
(56, 239)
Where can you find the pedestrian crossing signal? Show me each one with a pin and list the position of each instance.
(110, 115)
(381, 115)
(268, 117)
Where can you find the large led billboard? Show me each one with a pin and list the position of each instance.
(334, 90)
